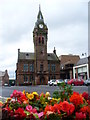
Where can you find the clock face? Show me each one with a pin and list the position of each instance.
(40, 25)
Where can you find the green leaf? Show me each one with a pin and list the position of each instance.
(36, 116)
(28, 113)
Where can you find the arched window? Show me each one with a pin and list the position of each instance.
(41, 67)
(42, 40)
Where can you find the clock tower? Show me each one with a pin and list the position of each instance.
(40, 33)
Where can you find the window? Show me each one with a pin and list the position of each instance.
(41, 67)
(25, 78)
(25, 67)
(49, 67)
(53, 67)
(42, 40)
(31, 78)
(31, 67)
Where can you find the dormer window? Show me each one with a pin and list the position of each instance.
(27, 54)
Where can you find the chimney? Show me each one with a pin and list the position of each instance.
(54, 51)
(18, 53)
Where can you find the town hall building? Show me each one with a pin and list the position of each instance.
(40, 66)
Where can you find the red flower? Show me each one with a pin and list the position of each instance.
(30, 109)
(16, 94)
(48, 108)
(72, 108)
(85, 95)
(23, 98)
(67, 107)
(56, 108)
(6, 109)
(84, 109)
(19, 113)
(80, 116)
(76, 99)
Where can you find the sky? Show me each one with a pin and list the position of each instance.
(67, 22)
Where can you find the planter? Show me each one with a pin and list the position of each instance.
(64, 105)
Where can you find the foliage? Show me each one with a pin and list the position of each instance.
(64, 93)
(64, 105)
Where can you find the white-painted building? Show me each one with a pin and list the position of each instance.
(80, 70)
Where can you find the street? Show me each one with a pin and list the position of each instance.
(6, 91)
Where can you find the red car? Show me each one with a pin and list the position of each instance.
(76, 82)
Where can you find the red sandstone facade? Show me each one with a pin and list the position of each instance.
(40, 66)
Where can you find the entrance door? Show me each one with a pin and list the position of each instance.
(42, 80)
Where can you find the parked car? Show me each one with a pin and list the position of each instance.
(59, 81)
(87, 82)
(76, 82)
(52, 82)
(66, 80)
(6, 84)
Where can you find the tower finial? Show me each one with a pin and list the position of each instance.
(39, 7)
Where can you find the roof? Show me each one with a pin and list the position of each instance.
(26, 55)
(82, 61)
(30, 56)
(67, 59)
(52, 56)
(2, 73)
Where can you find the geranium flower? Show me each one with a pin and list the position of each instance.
(40, 114)
(67, 107)
(80, 116)
(16, 94)
(57, 108)
(48, 108)
(6, 109)
(20, 112)
(30, 109)
(30, 96)
(23, 98)
(85, 95)
(76, 99)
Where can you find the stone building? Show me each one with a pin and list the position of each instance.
(40, 66)
(66, 66)
(4, 77)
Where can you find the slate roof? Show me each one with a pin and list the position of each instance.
(52, 56)
(26, 55)
(30, 56)
(82, 61)
(2, 73)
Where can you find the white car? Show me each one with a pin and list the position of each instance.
(5, 84)
(59, 81)
(87, 82)
(52, 82)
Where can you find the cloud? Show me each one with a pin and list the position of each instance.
(67, 23)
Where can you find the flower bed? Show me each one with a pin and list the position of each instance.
(64, 105)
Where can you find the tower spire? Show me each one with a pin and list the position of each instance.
(40, 16)
(39, 7)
